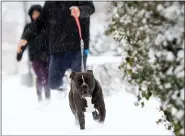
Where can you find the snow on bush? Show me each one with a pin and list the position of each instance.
(154, 37)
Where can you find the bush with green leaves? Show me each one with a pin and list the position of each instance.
(152, 35)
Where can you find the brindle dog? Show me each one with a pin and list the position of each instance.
(85, 87)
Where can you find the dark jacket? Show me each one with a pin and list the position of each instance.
(56, 20)
(37, 44)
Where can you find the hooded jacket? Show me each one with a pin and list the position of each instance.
(38, 43)
(56, 20)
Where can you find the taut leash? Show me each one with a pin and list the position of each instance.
(81, 43)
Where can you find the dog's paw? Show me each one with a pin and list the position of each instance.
(95, 115)
(82, 127)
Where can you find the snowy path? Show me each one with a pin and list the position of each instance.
(20, 115)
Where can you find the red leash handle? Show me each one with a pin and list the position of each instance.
(78, 24)
(79, 28)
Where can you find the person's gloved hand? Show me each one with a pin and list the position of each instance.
(86, 51)
(19, 54)
(75, 11)
(21, 45)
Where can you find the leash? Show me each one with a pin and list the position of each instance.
(81, 43)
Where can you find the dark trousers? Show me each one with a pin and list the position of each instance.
(59, 63)
(41, 69)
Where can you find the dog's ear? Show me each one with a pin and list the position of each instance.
(72, 75)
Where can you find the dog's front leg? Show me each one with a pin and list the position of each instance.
(100, 115)
(81, 119)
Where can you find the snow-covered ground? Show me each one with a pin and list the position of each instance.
(21, 114)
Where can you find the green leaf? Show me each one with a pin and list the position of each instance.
(159, 121)
(129, 71)
(149, 93)
(169, 127)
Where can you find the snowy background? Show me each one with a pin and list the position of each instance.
(21, 114)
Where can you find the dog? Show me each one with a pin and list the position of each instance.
(85, 87)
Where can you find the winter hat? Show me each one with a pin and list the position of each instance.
(34, 7)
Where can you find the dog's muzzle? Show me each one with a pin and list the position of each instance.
(86, 91)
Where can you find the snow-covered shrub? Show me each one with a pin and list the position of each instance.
(152, 35)
(109, 77)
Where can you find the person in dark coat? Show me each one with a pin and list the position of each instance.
(38, 54)
(64, 40)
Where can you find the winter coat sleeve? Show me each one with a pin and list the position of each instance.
(86, 8)
(28, 33)
(37, 26)
(19, 55)
(25, 28)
